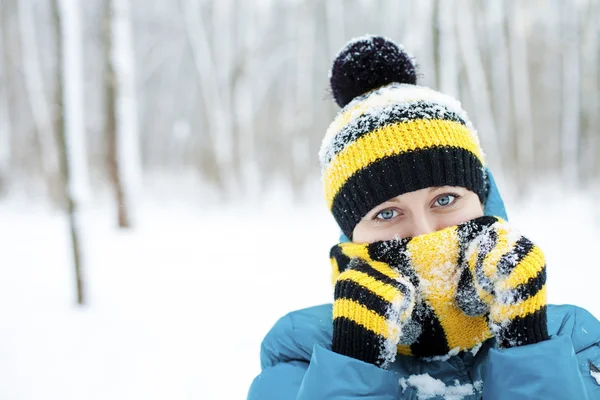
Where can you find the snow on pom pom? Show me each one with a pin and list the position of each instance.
(367, 63)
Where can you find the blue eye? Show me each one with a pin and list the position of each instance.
(445, 200)
(387, 214)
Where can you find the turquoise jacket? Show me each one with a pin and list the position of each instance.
(298, 364)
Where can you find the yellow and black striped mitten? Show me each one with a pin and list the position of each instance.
(504, 278)
(372, 303)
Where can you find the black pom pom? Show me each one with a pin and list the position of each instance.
(368, 63)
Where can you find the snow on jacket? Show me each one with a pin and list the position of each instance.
(298, 364)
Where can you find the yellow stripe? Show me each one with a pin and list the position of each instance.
(363, 316)
(434, 260)
(354, 250)
(404, 350)
(361, 251)
(391, 140)
(529, 267)
(335, 270)
(383, 290)
(522, 309)
(384, 269)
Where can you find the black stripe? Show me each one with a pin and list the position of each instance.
(471, 229)
(532, 328)
(363, 266)
(509, 261)
(432, 341)
(466, 298)
(397, 113)
(350, 290)
(356, 341)
(483, 250)
(468, 231)
(342, 260)
(466, 295)
(395, 175)
(394, 254)
(526, 290)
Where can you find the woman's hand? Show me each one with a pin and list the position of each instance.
(503, 276)
(372, 303)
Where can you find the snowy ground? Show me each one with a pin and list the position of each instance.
(178, 307)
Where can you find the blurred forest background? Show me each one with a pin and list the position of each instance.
(198, 123)
(232, 95)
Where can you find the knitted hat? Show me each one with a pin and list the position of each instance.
(391, 136)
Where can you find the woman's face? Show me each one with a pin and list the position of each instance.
(417, 213)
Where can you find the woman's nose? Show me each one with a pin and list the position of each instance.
(422, 225)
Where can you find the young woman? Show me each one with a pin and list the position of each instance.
(436, 294)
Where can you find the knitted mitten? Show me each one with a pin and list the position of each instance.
(504, 277)
(371, 303)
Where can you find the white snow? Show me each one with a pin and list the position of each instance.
(380, 101)
(476, 349)
(428, 387)
(178, 306)
(596, 376)
(444, 357)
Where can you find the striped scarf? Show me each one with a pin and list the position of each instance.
(472, 282)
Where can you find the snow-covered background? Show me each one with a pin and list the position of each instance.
(177, 308)
(179, 119)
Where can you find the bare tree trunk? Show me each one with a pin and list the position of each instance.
(64, 136)
(219, 125)
(448, 70)
(5, 117)
(73, 99)
(570, 93)
(393, 18)
(122, 131)
(422, 42)
(467, 41)
(38, 100)
(247, 75)
(495, 17)
(335, 26)
(112, 160)
(521, 94)
(590, 91)
(304, 96)
(287, 114)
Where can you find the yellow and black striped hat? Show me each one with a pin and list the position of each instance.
(391, 136)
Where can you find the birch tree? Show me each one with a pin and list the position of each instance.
(218, 122)
(5, 118)
(245, 77)
(448, 70)
(122, 118)
(73, 100)
(590, 89)
(521, 94)
(38, 99)
(69, 127)
(570, 93)
(334, 13)
(234, 92)
(303, 116)
(496, 44)
(476, 80)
